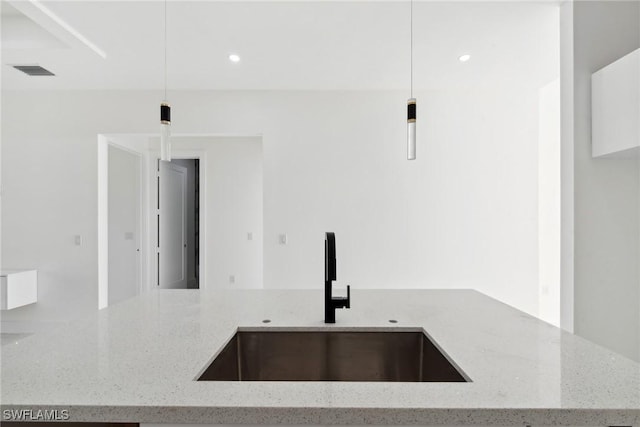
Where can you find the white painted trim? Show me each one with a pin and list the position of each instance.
(549, 185)
(185, 135)
(146, 231)
(103, 222)
(566, 168)
(152, 203)
(46, 18)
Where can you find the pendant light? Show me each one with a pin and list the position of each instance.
(165, 108)
(411, 106)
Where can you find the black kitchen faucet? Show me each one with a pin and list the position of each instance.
(330, 302)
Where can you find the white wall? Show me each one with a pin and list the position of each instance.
(124, 224)
(607, 192)
(567, 185)
(235, 205)
(233, 187)
(49, 186)
(464, 214)
(549, 200)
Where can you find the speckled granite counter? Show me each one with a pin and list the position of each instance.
(137, 361)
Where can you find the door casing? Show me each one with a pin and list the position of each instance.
(154, 158)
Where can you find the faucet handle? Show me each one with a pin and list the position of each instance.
(348, 302)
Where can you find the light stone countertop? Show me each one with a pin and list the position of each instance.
(136, 362)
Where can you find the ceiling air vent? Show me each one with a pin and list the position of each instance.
(33, 70)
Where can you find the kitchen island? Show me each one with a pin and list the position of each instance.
(137, 361)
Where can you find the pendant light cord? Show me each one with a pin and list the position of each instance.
(411, 44)
(165, 50)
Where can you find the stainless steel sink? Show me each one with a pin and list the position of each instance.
(294, 355)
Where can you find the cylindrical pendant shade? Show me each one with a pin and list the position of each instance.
(165, 113)
(411, 129)
(165, 142)
(165, 132)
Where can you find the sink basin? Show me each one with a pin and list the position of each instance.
(321, 355)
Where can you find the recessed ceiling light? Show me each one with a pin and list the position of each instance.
(234, 58)
(464, 58)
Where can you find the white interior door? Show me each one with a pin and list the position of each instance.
(123, 224)
(172, 226)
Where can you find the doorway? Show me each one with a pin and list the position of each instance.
(123, 227)
(178, 224)
(228, 209)
(124, 224)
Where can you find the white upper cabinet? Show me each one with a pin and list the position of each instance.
(616, 107)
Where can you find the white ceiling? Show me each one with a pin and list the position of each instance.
(321, 45)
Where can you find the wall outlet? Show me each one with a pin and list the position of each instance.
(128, 235)
(77, 240)
(282, 239)
(249, 236)
(232, 279)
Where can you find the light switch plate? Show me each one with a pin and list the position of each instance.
(77, 240)
(282, 239)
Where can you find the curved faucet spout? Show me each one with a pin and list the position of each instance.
(330, 302)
